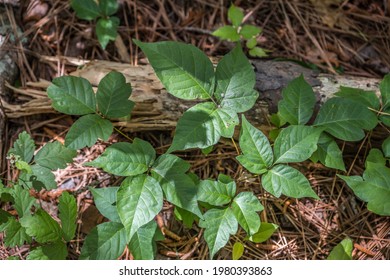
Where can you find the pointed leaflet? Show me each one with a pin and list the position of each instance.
(42, 226)
(217, 193)
(373, 188)
(343, 251)
(86, 131)
(142, 245)
(179, 189)
(296, 143)
(185, 216)
(384, 87)
(15, 234)
(68, 215)
(105, 201)
(345, 119)
(54, 156)
(125, 159)
(139, 199)
(184, 70)
(86, 9)
(108, 7)
(105, 242)
(72, 95)
(238, 250)
(328, 153)
(375, 156)
(219, 224)
(283, 179)
(202, 126)
(43, 178)
(298, 102)
(264, 233)
(257, 152)
(22, 200)
(235, 15)
(244, 206)
(249, 31)
(366, 98)
(24, 147)
(235, 82)
(386, 147)
(53, 251)
(227, 32)
(106, 30)
(113, 96)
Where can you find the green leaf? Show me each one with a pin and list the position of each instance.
(184, 70)
(105, 242)
(386, 147)
(235, 82)
(296, 143)
(235, 15)
(53, 251)
(343, 251)
(106, 30)
(179, 189)
(244, 206)
(113, 96)
(4, 215)
(249, 31)
(86, 131)
(227, 32)
(373, 188)
(108, 7)
(329, 153)
(139, 200)
(24, 147)
(72, 95)
(257, 152)
(384, 87)
(68, 215)
(207, 150)
(251, 43)
(142, 245)
(264, 233)
(125, 159)
(258, 52)
(43, 178)
(42, 226)
(283, 179)
(219, 224)
(345, 119)
(298, 102)
(365, 98)
(185, 216)
(86, 9)
(105, 201)
(217, 193)
(238, 250)
(375, 156)
(54, 156)
(22, 200)
(23, 166)
(15, 234)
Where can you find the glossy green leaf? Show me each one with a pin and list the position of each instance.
(54, 156)
(86, 9)
(185, 216)
(283, 179)
(298, 102)
(329, 153)
(384, 87)
(87, 130)
(249, 31)
(296, 143)
(23, 201)
(108, 7)
(364, 97)
(217, 193)
(105, 242)
(258, 52)
(142, 245)
(235, 15)
(238, 250)
(184, 70)
(72, 95)
(15, 234)
(139, 200)
(105, 201)
(219, 224)
(24, 147)
(227, 32)
(343, 251)
(42, 227)
(235, 82)
(43, 178)
(373, 188)
(67, 208)
(264, 233)
(179, 189)
(113, 96)
(106, 30)
(244, 206)
(386, 147)
(375, 156)
(257, 152)
(125, 159)
(345, 119)
(53, 251)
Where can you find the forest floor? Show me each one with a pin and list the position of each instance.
(339, 37)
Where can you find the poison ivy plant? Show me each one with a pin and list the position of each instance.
(343, 251)
(102, 11)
